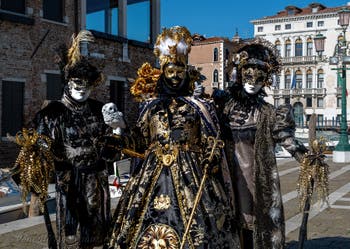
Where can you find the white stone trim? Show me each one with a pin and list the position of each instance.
(116, 78)
(20, 80)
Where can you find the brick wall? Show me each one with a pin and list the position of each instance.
(18, 41)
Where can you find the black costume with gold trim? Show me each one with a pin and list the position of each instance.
(82, 190)
(155, 207)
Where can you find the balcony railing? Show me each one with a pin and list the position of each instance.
(299, 92)
(302, 59)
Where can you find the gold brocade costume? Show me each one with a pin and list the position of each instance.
(159, 199)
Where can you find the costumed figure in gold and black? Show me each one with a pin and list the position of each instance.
(75, 124)
(251, 128)
(179, 132)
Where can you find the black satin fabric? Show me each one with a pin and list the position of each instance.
(82, 190)
(157, 202)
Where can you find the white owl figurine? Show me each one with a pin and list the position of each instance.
(113, 118)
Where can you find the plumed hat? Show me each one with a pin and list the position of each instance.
(173, 46)
(260, 53)
(76, 65)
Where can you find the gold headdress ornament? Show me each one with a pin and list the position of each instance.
(259, 52)
(74, 54)
(78, 65)
(173, 45)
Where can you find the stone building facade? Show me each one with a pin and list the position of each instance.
(307, 81)
(212, 56)
(32, 30)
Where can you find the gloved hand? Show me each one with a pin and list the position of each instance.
(111, 146)
(213, 164)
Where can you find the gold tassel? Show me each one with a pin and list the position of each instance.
(314, 168)
(35, 162)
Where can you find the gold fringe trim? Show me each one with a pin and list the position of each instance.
(314, 171)
(36, 162)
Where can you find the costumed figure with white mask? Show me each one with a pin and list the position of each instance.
(164, 204)
(251, 128)
(70, 129)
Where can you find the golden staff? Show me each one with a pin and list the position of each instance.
(216, 144)
(133, 153)
(126, 151)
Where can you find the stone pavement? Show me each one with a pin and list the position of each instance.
(328, 228)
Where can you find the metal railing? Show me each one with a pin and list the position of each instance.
(299, 92)
(312, 59)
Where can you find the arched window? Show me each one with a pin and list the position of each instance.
(309, 46)
(227, 54)
(320, 78)
(309, 78)
(298, 47)
(299, 79)
(298, 110)
(215, 76)
(288, 48)
(216, 54)
(287, 79)
(278, 46)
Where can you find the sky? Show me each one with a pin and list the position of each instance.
(223, 17)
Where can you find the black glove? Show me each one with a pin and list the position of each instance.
(111, 146)
(213, 164)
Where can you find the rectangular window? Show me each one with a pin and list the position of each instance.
(138, 20)
(288, 26)
(278, 48)
(309, 24)
(287, 81)
(17, 6)
(320, 23)
(320, 120)
(299, 81)
(53, 10)
(308, 102)
(320, 80)
(298, 49)
(277, 27)
(117, 94)
(287, 100)
(338, 102)
(309, 47)
(288, 51)
(260, 29)
(319, 102)
(309, 81)
(12, 107)
(54, 86)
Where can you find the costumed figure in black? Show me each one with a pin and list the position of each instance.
(251, 128)
(179, 133)
(74, 126)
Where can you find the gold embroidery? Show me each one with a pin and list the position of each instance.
(159, 236)
(167, 158)
(162, 202)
